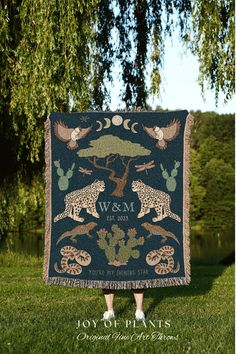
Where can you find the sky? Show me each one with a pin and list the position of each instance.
(179, 88)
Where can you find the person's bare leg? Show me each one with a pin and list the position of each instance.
(109, 298)
(138, 299)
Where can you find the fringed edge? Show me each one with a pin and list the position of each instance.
(47, 178)
(107, 284)
(126, 110)
(186, 197)
(135, 284)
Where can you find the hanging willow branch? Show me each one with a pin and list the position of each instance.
(130, 33)
(59, 55)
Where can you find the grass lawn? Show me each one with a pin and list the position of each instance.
(36, 318)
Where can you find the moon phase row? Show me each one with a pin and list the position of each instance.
(117, 121)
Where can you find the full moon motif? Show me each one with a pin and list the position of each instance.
(117, 120)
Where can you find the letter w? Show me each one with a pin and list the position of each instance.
(104, 206)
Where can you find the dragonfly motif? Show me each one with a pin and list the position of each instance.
(85, 171)
(145, 166)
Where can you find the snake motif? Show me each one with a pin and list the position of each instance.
(70, 253)
(154, 258)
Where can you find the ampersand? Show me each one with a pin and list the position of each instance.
(116, 207)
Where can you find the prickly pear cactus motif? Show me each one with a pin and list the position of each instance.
(63, 181)
(170, 179)
(118, 248)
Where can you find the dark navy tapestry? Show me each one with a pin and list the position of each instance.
(117, 199)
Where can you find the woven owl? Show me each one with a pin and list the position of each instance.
(70, 135)
(164, 134)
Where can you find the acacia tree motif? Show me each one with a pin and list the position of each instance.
(114, 150)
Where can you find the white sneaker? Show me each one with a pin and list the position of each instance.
(139, 315)
(108, 315)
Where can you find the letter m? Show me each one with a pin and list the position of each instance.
(128, 208)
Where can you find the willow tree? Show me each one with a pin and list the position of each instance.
(110, 149)
(134, 31)
(45, 49)
(213, 42)
(58, 55)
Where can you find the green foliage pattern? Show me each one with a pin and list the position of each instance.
(212, 170)
(110, 144)
(45, 50)
(213, 42)
(116, 247)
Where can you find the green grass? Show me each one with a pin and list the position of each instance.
(36, 318)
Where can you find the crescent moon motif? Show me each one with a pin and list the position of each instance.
(108, 123)
(132, 128)
(100, 126)
(126, 124)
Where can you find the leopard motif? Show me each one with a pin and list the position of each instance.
(151, 198)
(82, 198)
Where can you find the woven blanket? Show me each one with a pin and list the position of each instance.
(117, 199)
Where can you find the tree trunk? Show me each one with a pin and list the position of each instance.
(120, 182)
(120, 185)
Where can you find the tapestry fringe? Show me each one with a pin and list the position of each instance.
(186, 197)
(135, 284)
(47, 178)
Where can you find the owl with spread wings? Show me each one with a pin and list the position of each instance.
(70, 135)
(163, 134)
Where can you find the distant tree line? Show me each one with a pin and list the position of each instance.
(211, 180)
(212, 170)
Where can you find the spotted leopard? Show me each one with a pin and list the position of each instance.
(151, 198)
(82, 198)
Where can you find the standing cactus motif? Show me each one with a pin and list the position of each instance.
(63, 181)
(170, 180)
(117, 249)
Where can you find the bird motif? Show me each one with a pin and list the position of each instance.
(70, 135)
(164, 134)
